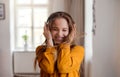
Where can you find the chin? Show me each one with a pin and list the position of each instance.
(58, 43)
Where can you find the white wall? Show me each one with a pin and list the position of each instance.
(57, 5)
(5, 55)
(117, 55)
(88, 36)
(105, 42)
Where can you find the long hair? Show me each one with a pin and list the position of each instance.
(67, 17)
(51, 20)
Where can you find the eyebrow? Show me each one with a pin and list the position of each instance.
(57, 27)
(53, 27)
(65, 28)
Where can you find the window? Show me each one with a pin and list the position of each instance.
(30, 16)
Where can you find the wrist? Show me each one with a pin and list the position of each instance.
(55, 56)
(49, 43)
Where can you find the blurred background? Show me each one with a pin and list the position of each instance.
(21, 29)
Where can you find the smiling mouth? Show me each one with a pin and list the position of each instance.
(59, 39)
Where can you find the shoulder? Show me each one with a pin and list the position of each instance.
(78, 49)
(40, 48)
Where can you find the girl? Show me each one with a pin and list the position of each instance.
(59, 57)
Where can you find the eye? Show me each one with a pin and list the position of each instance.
(64, 30)
(54, 29)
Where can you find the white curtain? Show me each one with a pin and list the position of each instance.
(57, 5)
(76, 9)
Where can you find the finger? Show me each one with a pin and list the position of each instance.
(74, 29)
(45, 27)
(73, 33)
(45, 31)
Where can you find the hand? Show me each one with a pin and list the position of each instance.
(55, 56)
(48, 35)
(72, 34)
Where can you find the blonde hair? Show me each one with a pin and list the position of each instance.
(51, 20)
(67, 17)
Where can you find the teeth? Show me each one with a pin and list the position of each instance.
(59, 38)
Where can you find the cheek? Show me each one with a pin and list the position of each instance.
(53, 33)
(66, 33)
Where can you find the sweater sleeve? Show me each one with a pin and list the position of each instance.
(69, 60)
(46, 59)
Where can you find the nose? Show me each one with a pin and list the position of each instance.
(60, 33)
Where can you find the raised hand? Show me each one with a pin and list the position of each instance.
(48, 35)
(72, 34)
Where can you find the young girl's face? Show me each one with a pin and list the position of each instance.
(59, 30)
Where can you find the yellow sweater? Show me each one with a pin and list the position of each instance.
(67, 64)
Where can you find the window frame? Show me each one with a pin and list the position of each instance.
(32, 6)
